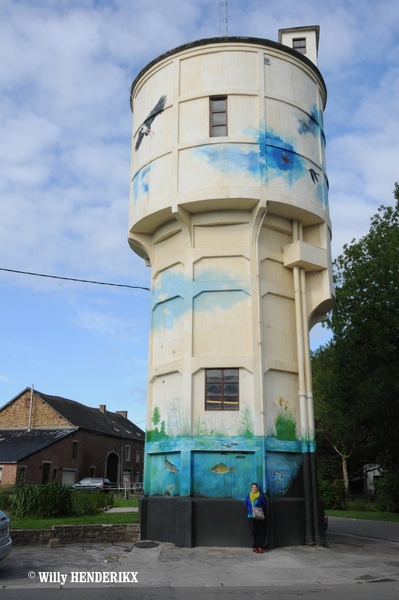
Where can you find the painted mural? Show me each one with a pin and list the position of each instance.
(277, 155)
(140, 183)
(173, 293)
(285, 422)
(218, 464)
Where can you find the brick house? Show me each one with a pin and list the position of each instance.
(45, 438)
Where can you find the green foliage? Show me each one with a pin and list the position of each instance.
(332, 493)
(245, 422)
(154, 435)
(387, 492)
(356, 375)
(89, 503)
(41, 502)
(156, 416)
(5, 498)
(53, 500)
(285, 422)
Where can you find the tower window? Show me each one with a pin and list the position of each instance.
(221, 389)
(218, 116)
(299, 44)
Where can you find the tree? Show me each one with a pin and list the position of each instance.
(340, 416)
(356, 376)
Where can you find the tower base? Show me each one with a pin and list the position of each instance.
(188, 522)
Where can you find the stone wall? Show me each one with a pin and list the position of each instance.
(77, 534)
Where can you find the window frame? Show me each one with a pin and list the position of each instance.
(128, 452)
(224, 398)
(75, 446)
(300, 47)
(212, 112)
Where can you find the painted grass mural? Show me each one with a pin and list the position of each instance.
(217, 464)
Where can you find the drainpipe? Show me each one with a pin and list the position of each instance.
(30, 408)
(309, 539)
(310, 410)
(260, 354)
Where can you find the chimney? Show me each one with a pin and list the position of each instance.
(103, 407)
(122, 412)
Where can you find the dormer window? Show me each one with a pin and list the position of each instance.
(299, 44)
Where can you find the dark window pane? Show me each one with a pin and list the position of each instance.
(219, 131)
(213, 389)
(299, 45)
(230, 405)
(231, 389)
(219, 105)
(214, 375)
(219, 118)
(213, 404)
(231, 374)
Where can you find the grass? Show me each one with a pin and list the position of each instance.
(100, 519)
(361, 514)
(122, 503)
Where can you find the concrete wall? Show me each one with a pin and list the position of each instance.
(227, 224)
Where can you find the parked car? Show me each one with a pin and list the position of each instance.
(5, 538)
(93, 484)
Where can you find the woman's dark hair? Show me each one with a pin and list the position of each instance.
(254, 483)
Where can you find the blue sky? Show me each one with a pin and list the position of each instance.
(65, 144)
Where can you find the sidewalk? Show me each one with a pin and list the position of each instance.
(346, 559)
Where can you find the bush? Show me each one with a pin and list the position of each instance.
(332, 493)
(5, 498)
(89, 503)
(51, 501)
(41, 502)
(387, 492)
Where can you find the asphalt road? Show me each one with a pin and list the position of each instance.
(349, 566)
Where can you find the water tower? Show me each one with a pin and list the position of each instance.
(229, 208)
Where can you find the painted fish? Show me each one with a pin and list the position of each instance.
(221, 469)
(171, 468)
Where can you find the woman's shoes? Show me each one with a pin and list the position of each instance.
(258, 550)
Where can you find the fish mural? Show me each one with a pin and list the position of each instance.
(221, 469)
(170, 467)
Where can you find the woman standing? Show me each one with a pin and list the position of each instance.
(255, 498)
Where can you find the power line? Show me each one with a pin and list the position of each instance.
(136, 287)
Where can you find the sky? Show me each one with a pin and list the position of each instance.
(65, 147)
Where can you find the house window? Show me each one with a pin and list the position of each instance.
(299, 44)
(221, 389)
(21, 476)
(128, 453)
(137, 456)
(218, 116)
(46, 472)
(75, 450)
(1, 473)
(92, 471)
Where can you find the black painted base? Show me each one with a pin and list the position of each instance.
(188, 522)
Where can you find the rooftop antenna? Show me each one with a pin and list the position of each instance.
(223, 18)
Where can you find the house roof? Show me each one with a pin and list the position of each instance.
(16, 444)
(80, 416)
(93, 419)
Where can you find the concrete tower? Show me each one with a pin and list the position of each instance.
(229, 207)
